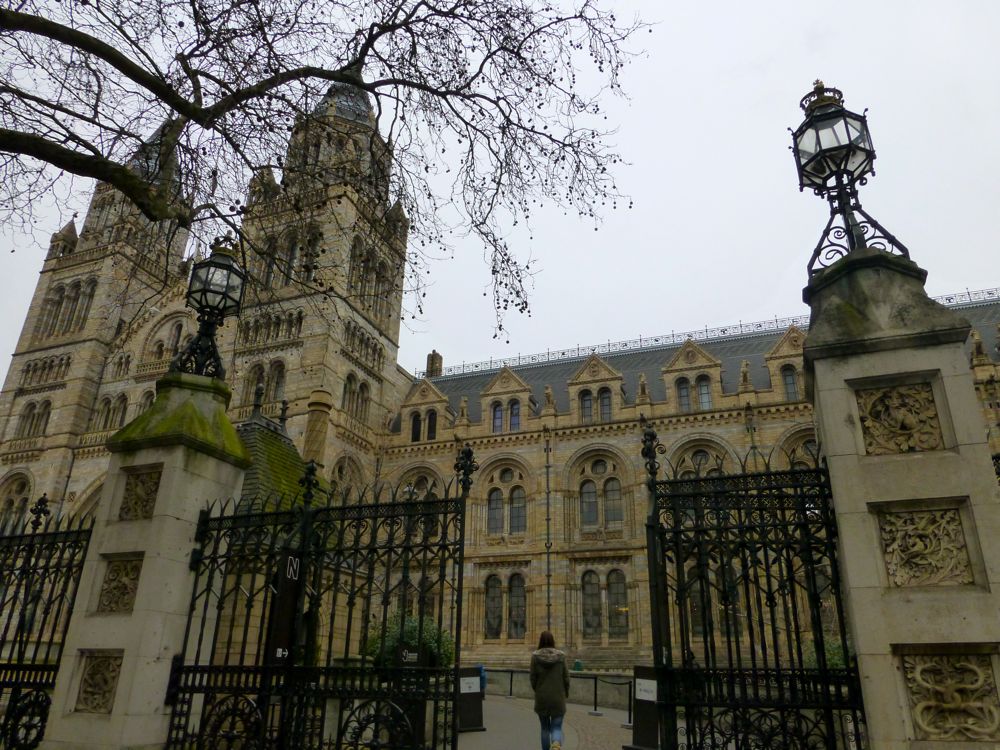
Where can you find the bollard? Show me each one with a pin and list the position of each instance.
(595, 712)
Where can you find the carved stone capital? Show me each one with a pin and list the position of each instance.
(899, 419)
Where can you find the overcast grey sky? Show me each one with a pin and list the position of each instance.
(719, 232)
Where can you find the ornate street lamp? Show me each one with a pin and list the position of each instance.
(215, 291)
(834, 154)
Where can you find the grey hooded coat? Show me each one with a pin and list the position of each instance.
(550, 681)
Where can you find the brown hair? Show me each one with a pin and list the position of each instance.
(547, 640)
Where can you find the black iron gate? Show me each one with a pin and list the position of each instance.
(326, 624)
(41, 559)
(750, 643)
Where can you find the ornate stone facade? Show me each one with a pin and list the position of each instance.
(99, 681)
(953, 697)
(899, 419)
(925, 548)
(139, 497)
(121, 579)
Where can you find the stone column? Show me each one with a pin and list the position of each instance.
(135, 591)
(317, 423)
(916, 501)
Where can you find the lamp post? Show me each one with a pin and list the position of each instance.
(833, 155)
(215, 291)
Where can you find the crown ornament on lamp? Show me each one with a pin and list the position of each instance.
(834, 155)
(216, 292)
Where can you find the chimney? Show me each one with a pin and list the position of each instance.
(435, 364)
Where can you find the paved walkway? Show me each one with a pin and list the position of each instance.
(511, 724)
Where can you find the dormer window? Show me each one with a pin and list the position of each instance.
(415, 428)
(515, 415)
(704, 386)
(791, 382)
(497, 415)
(432, 421)
(684, 395)
(586, 407)
(604, 404)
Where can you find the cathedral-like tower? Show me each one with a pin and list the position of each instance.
(89, 290)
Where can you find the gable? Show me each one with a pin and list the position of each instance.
(690, 357)
(506, 381)
(594, 370)
(789, 345)
(423, 392)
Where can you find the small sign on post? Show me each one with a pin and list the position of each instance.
(470, 700)
(645, 715)
(285, 601)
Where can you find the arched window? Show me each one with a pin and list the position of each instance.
(613, 502)
(432, 423)
(591, 596)
(356, 277)
(54, 311)
(14, 492)
(604, 404)
(26, 421)
(104, 415)
(86, 300)
(518, 511)
(71, 306)
(494, 512)
(515, 415)
(414, 426)
(617, 605)
(276, 381)
(516, 609)
(497, 411)
(291, 259)
(41, 422)
(704, 392)
(791, 382)
(586, 407)
(146, 401)
(120, 411)
(588, 503)
(494, 607)
(683, 395)
(255, 377)
(364, 398)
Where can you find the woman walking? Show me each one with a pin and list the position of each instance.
(550, 681)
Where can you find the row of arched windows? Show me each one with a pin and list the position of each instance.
(120, 365)
(271, 327)
(272, 379)
(587, 410)
(515, 520)
(356, 398)
(600, 495)
(593, 609)
(370, 282)
(168, 346)
(698, 397)
(363, 346)
(47, 370)
(516, 614)
(66, 308)
(418, 423)
(512, 413)
(110, 415)
(34, 420)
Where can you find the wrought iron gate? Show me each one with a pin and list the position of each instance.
(750, 643)
(328, 625)
(41, 559)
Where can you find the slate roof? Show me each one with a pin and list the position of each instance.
(276, 464)
(730, 350)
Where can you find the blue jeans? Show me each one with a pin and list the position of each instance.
(551, 730)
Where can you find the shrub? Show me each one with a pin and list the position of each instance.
(437, 643)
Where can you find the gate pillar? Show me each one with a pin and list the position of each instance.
(916, 500)
(135, 590)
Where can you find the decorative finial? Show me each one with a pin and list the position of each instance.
(283, 417)
(820, 96)
(40, 510)
(464, 467)
(309, 483)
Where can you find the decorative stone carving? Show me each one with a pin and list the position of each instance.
(899, 419)
(953, 697)
(140, 495)
(925, 548)
(101, 670)
(121, 580)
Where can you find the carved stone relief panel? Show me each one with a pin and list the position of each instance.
(99, 682)
(139, 497)
(121, 579)
(899, 419)
(925, 548)
(953, 697)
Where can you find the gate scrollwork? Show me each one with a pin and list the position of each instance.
(24, 724)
